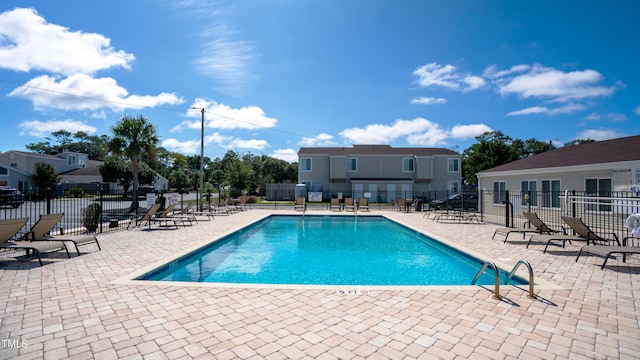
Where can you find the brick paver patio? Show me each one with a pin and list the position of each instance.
(81, 308)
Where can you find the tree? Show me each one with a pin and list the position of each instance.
(92, 145)
(578, 142)
(45, 177)
(493, 149)
(134, 138)
(238, 176)
(118, 171)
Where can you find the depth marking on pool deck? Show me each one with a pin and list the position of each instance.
(352, 292)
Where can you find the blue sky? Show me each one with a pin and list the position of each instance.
(277, 75)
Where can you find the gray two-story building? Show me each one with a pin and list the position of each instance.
(380, 172)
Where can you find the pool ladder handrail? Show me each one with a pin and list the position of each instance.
(513, 271)
(496, 294)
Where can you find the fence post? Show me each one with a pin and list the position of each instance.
(507, 207)
(573, 204)
(100, 200)
(48, 201)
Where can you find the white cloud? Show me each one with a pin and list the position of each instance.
(30, 43)
(319, 140)
(593, 117)
(251, 144)
(225, 58)
(289, 155)
(99, 115)
(598, 135)
(637, 110)
(419, 131)
(555, 85)
(224, 117)
(473, 82)
(214, 139)
(492, 71)
(43, 129)
(185, 147)
(469, 131)
(428, 101)
(82, 92)
(567, 109)
(617, 117)
(436, 75)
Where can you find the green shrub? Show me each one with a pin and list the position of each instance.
(75, 192)
(91, 217)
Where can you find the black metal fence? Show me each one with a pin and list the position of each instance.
(116, 207)
(605, 212)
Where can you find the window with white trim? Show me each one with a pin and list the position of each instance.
(4, 171)
(453, 165)
(72, 159)
(529, 187)
(305, 164)
(499, 192)
(408, 164)
(352, 164)
(598, 188)
(453, 187)
(550, 196)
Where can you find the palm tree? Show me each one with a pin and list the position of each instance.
(134, 138)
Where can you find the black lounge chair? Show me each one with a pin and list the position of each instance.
(539, 227)
(607, 250)
(582, 231)
(9, 228)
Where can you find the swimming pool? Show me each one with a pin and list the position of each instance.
(325, 250)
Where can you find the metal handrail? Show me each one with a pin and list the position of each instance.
(513, 271)
(486, 264)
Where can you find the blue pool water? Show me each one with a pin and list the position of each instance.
(326, 250)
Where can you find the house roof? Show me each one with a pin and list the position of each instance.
(34, 154)
(599, 152)
(374, 150)
(90, 169)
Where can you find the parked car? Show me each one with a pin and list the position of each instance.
(456, 201)
(11, 197)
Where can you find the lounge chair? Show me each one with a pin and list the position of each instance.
(582, 231)
(10, 228)
(146, 218)
(182, 215)
(43, 228)
(607, 250)
(226, 208)
(348, 204)
(300, 205)
(405, 205)
(191, 216)
(208, 211)
(241, 206)
(335, 204)
(402, 205)
(363, 204)
(165, 217)
(539, 227)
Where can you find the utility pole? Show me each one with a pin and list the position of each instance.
(198, 200)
